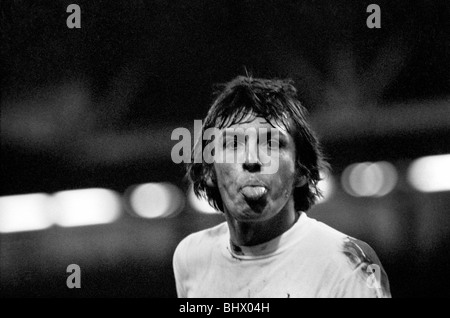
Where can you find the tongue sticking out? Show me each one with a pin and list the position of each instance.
(254, 193)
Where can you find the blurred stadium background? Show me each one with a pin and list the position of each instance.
(87, 116)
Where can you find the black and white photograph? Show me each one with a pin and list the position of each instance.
(232, 150)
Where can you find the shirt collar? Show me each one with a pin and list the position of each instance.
(272, 247)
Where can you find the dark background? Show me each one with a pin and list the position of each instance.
(96, 106)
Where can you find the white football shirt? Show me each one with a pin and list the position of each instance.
(311, 259)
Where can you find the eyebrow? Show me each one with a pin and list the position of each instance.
(238, 132)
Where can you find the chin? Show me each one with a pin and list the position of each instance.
(251, 214)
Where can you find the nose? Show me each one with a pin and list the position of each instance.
(252, 162)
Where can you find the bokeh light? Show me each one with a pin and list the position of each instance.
(200, 204)
(25, 212)
(326, 186)
(86, 207)
(430, 174)
(156, 200)
(369, 179)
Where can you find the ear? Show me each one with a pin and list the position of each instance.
(301, 181)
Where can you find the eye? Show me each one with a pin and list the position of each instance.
(232, 142)
(273, 143)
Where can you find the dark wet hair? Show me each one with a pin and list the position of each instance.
(276, 101)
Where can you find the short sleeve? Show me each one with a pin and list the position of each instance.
(367, 278)
(364, 282)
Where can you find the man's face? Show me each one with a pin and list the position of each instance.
(251, 190)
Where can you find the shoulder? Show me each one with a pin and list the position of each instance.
(358, 252)
(366, 265)
(196, 251)
(340, 248)
(202, 240)
(322, 238)
(355, 262)
(331, 239)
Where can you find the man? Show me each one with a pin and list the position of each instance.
(268, 246)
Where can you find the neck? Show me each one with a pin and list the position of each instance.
(254, 233)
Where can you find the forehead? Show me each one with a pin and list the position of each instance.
(251, 121)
